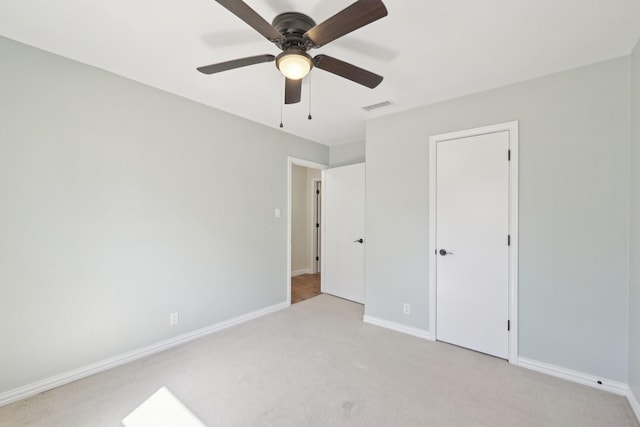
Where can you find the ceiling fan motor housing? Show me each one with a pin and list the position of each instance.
(293, 26)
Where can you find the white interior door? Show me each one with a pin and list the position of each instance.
(472, 253)
(343, 233)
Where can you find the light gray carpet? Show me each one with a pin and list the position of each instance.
(318, 364)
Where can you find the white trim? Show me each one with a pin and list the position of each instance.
(322, 227)
(303, 271)
(515, 238)
(398, 327)
(634, 403)
(432, 238)
(308, 164)
(575, 376)
(315, 237)
(65, 378)
(512, 128)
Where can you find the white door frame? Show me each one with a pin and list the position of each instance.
(512, 128)
(316, 232)
(307, 164)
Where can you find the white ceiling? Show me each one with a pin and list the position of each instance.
(427, 50)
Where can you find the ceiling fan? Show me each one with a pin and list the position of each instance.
(295, 33)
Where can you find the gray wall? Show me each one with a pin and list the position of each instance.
(347, 154)
(634, 258)
(122, 203)
(574, 208)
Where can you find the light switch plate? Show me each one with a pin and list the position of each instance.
(173, 318)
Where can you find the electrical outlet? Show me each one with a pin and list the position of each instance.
(406, 308)
(173, 318)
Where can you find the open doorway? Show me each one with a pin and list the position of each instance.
(305, 230)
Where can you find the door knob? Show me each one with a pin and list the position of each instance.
(444, 252)
(358, 241)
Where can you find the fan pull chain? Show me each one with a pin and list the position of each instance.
(281, 102)
(309, 116)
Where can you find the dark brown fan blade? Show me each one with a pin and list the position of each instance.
(236, 63)
(348, 71)
(357, 15)
(251, 17)
(292, 91)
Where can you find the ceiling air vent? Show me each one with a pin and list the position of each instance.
(377, 106)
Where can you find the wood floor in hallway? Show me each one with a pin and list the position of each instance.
(304, 286)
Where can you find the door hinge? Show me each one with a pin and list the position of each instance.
(508, 325)
(509, 240)
(317, 225)
(317, 258)
(317, 191)
(509, 155)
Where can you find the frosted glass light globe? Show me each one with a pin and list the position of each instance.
(294, 66)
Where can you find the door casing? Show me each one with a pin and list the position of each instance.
(316, 218)
(512, 128)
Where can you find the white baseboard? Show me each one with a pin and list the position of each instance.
(303, 271)
(634, 403)
(575, 376)
(121, 359)
(409, 330)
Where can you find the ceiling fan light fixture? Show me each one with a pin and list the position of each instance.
(294, 65)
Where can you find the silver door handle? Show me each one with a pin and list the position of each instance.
(359, 241)
(444, 252)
